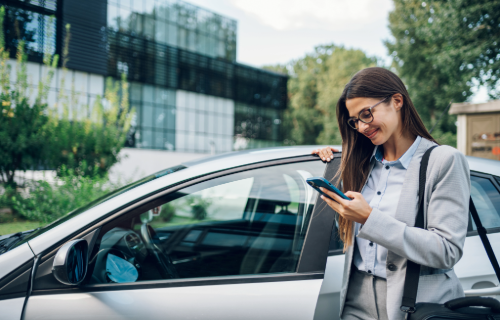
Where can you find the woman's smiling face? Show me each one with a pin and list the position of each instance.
(386, 117)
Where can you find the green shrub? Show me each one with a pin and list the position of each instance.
(94, 137)
(47, 202)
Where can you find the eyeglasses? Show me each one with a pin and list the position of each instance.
(365, 116)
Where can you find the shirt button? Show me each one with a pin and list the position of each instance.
(379, 193)
(391, 267)
(369, 271)
(371, 244)
(387, 167)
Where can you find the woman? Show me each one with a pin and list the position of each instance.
(383, 140)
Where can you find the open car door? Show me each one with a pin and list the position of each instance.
(245, 243)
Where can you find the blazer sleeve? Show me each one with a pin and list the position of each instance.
(441, 244)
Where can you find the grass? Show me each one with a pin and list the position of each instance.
(13, 227)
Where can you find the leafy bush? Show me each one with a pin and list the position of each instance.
(23, 124)
(198, 206)
(90, 142)
(47, 202)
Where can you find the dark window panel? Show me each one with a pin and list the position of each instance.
(252, 122)
(158, 64)
(87, 48)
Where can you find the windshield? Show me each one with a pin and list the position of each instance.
(7, 243)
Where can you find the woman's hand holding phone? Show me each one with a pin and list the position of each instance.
(357, 210)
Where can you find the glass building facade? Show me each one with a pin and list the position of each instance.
(175, 23)
(188, 91)
(33, 22)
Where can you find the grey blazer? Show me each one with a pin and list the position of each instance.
(439, 247)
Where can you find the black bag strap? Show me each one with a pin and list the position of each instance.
(484, 238)
(412, 268)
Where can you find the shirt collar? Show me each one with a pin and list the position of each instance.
(405, 159)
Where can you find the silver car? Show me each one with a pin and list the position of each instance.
(235, 236)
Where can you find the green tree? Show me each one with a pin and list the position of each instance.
(439, 49)
(470, 33)
(316, 82)
(340, 66)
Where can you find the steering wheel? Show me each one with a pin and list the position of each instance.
(167, 268)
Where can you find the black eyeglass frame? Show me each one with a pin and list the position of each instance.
(369, 109)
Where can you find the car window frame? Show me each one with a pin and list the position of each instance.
(495, 181)
(307, 269)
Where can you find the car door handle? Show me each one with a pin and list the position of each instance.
(483, 292)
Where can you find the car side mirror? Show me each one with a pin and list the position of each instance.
(71, 262)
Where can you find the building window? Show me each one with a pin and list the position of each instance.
(37, 30)
(257, 127)
(204, 123)
(155, 107)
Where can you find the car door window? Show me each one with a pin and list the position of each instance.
(486, 199)
(251, 222)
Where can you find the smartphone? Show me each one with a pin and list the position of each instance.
(317, 182)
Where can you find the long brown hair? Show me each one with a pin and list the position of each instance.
(356, 148)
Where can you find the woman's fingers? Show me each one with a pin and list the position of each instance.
(321, 155)
(334, 205)
(328, 192)
(330, 151)
(352, 194)
(334, 196)
(357, 210)
(326, 154)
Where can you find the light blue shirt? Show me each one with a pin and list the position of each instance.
(382, 192)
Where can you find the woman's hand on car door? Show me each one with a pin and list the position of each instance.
(326, 154)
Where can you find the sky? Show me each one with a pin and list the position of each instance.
(278, 31)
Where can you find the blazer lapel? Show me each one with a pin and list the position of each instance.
(409, 191)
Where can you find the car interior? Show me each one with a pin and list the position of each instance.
(252, 222)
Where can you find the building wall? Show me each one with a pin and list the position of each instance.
(78, 90)
(181, 120)
(478, 131)
(138, 163)
(135, 164)
(483, 135)
(204, 123)
(462, 133)
(155, 108)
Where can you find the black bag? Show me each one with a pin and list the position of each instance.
(461, 308)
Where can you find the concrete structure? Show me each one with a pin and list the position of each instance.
(139, 163)
(478, 131)
(135, 164)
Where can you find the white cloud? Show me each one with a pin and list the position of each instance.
(333, 15)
